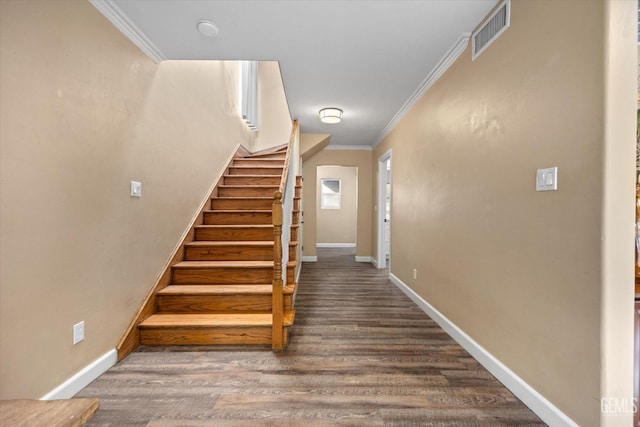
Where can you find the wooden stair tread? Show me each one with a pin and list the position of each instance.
(223, 243)
(228, 264)
(256, 178)
(257, 157)
(256, 167)
(242, 197)
(238, 210)
(260, 159)
(239, 226)
(280, 156)
(248, 185)
(74, 412)
(247, 169)
(169, 320)
(215, 289)
(262, 156)
(243, 210)
(221, 289)
(266, 175)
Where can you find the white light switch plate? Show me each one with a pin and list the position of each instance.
(547, 179)
(136, 189)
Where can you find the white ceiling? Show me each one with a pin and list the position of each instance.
(365, 57)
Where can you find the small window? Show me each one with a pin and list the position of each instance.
(330, 194)
(248, 93)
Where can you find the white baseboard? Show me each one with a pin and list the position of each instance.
(309, 258)
(374, 262)
(534, 400)
(363, 258)
(298, 274)
(335, 245)
(84, 377)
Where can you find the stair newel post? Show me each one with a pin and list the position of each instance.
(277, 298)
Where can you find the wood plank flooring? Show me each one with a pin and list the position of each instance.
(361, 354)
(47, 413)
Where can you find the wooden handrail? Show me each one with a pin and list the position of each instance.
(277, 304)
(287, 160)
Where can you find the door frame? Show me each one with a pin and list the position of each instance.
(382, 183)
(318, 204)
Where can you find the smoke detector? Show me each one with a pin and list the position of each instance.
(207, 28)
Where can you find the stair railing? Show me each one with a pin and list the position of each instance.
(282, 220)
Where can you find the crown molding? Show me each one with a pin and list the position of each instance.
(120, 20)
(447, 60)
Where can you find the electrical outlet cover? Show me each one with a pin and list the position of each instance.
(78, 332)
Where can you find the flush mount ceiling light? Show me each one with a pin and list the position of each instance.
(331, 115)
(207, 28)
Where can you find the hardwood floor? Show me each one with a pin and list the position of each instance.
(361, 354)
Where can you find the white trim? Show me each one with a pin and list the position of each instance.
(349, 147)
(120, 20)
(449, 58)
(335, 245)
(381, 204)
(309, 259)
(248, 93)
(363, 258)
(298, 274)
(374, 262)
(549, 413)
(323, 204)
(84, 377)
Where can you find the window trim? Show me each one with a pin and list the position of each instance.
(338, 194)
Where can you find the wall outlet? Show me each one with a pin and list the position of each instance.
(78, 332)
(415, 274)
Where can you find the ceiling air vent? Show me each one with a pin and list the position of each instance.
(490, 30)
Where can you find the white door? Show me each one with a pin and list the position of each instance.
(383, 256)
(387, 212)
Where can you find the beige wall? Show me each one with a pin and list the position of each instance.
(338, 225)
(357, 158)
(312, 143)
(518, 270)
(84, 112)
(274, 120)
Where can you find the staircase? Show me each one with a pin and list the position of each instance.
(221, 291)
